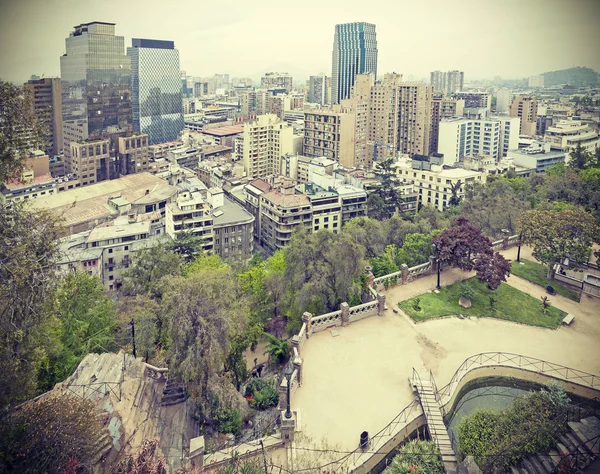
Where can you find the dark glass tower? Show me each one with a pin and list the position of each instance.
(156, 89)
(354, 52)
(96, 77)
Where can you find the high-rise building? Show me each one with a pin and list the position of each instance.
(46, 100)
(276, 80)
(96, 90)
(525, 107)
(156, 89)
(263, 143)
(504, 98)
(442, 108)
(414, 118)
(455, 81)
(438, 81)
(354, 52)
(319, 89)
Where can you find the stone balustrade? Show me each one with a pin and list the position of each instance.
(156, 373)
(356, 313)
(422, 269)
(324, 321)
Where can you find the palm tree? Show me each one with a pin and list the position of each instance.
(278, 349)
(455, 189)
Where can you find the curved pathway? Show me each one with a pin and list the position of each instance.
(359, 380)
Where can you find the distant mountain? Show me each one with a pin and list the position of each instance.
(576, 76)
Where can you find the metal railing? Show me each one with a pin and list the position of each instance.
(576, 461)
(507, 359)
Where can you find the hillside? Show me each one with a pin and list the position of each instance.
(576, 76)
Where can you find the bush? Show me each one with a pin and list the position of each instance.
(264, 394)
(227, 419)
(416, 304)
(417, 457)
(466, 291)
(531, 425)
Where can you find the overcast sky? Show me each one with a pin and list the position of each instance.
(483, 38)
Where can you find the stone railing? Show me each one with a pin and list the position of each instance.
(419, 270)
(324, 321)
(156, 373)
(356, 313)
(391, 279)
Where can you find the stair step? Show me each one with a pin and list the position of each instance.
(579, 433)
(530, 467)
(546, 461)
(538, 465)
(592, 422)
(567, 442)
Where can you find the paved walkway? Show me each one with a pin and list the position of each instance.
(358, 381)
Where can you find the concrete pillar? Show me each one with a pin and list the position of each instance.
(288, 426)
(295, 343)
(282, 390)
(307, 319)
(197, 452)
(298, 366)
(404, 269)
(345, 313)
(380, 303)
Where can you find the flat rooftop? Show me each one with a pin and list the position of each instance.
(232, 213)
(224, 131)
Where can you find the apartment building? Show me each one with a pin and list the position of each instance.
(442, 108)
(276, 80)
(462, 137)
(45, 96)
(414, 118)
(331, 133)
(263, 143)
(525, 107)
(538, 156)
(567, 134)
(191, 212)
(434, 183)
(132, 154)
(89, 161)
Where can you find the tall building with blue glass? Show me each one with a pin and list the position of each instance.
(156, 89)
(354, 52)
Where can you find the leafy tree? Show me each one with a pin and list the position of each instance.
(321, 270)
(50, 435)
(416, 456)
(464, 246)
(278, 349)
(87, 322)
(579, 157)
(556, 235)
(386, 263)
(149, 325)
(149, 267)
(20, 131)
(28, 254)
(187, 244)
(416, 249)
(455, 188)
(206, 311)
(370, 233)
(263, 392)
(494, 207)
(385, 198)
(429, 218)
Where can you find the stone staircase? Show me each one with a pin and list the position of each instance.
(102, 446)
(573, 453)
(173, 393)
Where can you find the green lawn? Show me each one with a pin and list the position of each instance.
(536, 273)
(511, 304)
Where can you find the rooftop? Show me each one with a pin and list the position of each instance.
(232, 213)
(286, 200)
(224, 131)
(42, 179)
(117, 231)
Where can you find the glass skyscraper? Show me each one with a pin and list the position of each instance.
(96, 81)
(354, 52)
(156, 89)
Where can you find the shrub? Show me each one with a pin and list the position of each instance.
(227, 419)
(545, 303)
(422, 457)
(264, 393)
(476, 432)
(466, 291)
(416, 304)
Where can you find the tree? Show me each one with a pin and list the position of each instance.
(386, 195)
(149, 267)
(579, 157)
(50, 435)
(150, 330)
(20, 131)
(87, 322)
(321, 270)
(187, 244)
(416, 456)
(371, 233)
(386, 263)
(556, 235)
(416, 249)
(455, 188)
(206, 310)
(464, 246)
(28, 255)
(278, 349)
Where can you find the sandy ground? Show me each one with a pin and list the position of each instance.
(359, 380)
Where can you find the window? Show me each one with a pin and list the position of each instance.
(111, 278)
(110, 251)
(126, 247)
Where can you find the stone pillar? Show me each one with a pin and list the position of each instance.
(295, 343)
(298, 366)
(307, 319)
(370, 276)
(380, 303)
(404, 269)
(197, 452)
(288, 426)
(345, 313)
(505, 243)
(282, 390)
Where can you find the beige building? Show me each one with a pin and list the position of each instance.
(525, 107)
(191, 212)
(46, 100)
(442, 108)
(414, 118)
(263, 143)
(331, 133)
(567, 134)
(234, 231)
(132, 154)
(276, 80)
(88, 161)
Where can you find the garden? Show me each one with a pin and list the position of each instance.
(505, 302)
(536, 273)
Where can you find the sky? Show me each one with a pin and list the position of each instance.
(245, 38)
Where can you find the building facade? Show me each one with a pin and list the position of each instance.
(437, 79)
(319, 90)
(46, 99)
(331, 133)
(455, 81)
(567, 134)
(525, 107)
(157, 106)
(96, 85)
(276, 80)
(354, 52)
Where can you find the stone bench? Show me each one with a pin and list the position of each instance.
(568, 319)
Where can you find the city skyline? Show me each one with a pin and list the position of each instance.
(561, 34)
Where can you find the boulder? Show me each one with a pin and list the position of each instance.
(464, 302)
